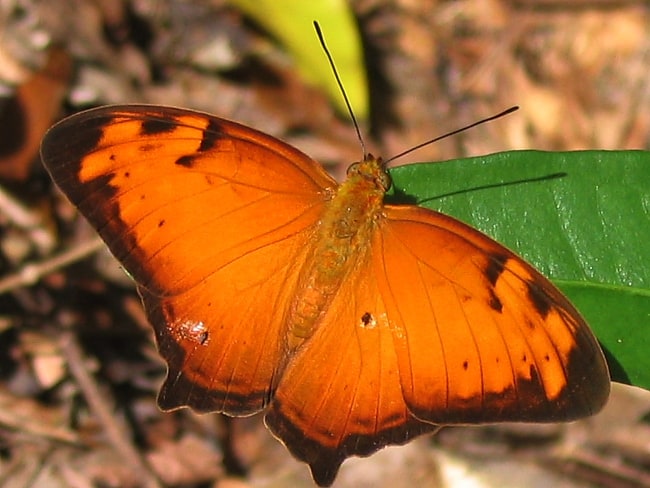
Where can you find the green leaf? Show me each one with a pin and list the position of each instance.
(291, 23)
(582, 218)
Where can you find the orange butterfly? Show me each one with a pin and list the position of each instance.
(351, 323)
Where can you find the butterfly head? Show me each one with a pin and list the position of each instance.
(370, 169)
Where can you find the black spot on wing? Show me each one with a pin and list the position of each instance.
(186, 161)
(495, 267)
(539, 298)
(151, 127)
(211, 135)
(203, 338)
(495, 302)
(366, 318)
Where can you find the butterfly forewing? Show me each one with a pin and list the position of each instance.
(213, 221)
(501, 342)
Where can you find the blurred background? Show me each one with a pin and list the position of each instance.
(78, 369)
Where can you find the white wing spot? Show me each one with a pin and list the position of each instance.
(190, 330)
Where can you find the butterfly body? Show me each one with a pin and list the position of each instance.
(340, 244)
(353, 324)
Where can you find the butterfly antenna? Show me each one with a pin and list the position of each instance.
(453, 132)
(321, 39)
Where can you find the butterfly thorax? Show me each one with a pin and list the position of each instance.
(344, 234)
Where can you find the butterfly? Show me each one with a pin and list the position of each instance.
(351, 323)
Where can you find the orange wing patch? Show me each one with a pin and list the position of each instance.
(354, 324)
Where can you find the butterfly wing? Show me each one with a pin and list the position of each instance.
(212, 220)
(439, 325)
(481, 336)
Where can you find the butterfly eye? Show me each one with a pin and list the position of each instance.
(384, 180)
(353, 169)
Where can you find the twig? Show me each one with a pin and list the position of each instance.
(100, 406)
(31, 273)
